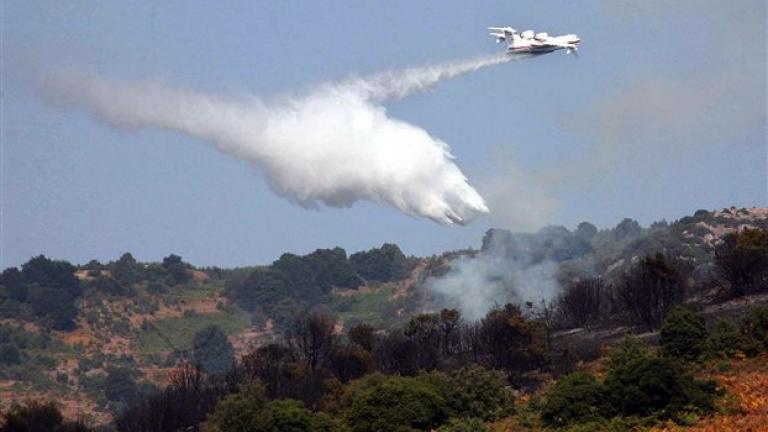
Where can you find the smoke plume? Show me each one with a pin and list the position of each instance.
(511, 268)
(334, 145)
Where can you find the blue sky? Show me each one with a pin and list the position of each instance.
(663, 113)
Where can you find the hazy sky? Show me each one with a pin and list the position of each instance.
(663, 113)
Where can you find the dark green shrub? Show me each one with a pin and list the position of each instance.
(724, 341)
(683, 334)
(384, 264)
(156, 287)
(379, 403)
(575, 398)
(249, 412)
(464, 425)
(627, 352)
(120, 386)
(212, 351)
(754, 330)
(9, 354)
(477, 392)
(656, 386)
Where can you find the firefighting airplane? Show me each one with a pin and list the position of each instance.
(529, 42)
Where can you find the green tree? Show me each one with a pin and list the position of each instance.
(683, 334)
(176, 269)
(754, 330)
(120, 386)
(9, 354)
(239, 413)
(724, 341)
(379, 403)
(658, 386)
(476, 392)
(384, 264)
(464, 425)
(575, 398)
(212, 350)
(127, 270)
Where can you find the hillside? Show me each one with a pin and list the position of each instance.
(87, 335)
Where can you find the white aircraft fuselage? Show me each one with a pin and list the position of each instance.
(528, 42)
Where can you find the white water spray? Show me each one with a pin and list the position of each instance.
(335, 145)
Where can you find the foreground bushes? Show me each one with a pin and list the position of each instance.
(393, 403)
(683, 334)
(637, 385)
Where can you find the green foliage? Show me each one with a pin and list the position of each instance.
(126, 270)
(476, 392)
(463, 425)
(307, 279)
(246, 413)
(656, 386)
(237, 412)
(754, 330)
(176, 269)
(212, 350)
(626, 353)
(575, 398)
(724, 341)
(384, 264)
(9, 354)
(120, 385)
(683, 334)
(638, 385)
(379, 403)
(48, 287)
(156, 287)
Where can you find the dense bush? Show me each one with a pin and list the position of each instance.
(683, 334)
(249, 410)
(637, 384)
(725, 340)
(640, 384)
(575, 398)
(212, 350)
(754, 330)
(380, 403)
(9, 354)
(303, 280)
(463, 425)
(120, 386)
(384, 264)
(477, 392)
(48, 287)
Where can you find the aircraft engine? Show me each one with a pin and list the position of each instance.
(542, 36)
(528, 34)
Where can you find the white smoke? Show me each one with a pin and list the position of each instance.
(476, 285)
(335, 145)
(514, 268)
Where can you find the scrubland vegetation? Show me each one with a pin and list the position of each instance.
(648, 338)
